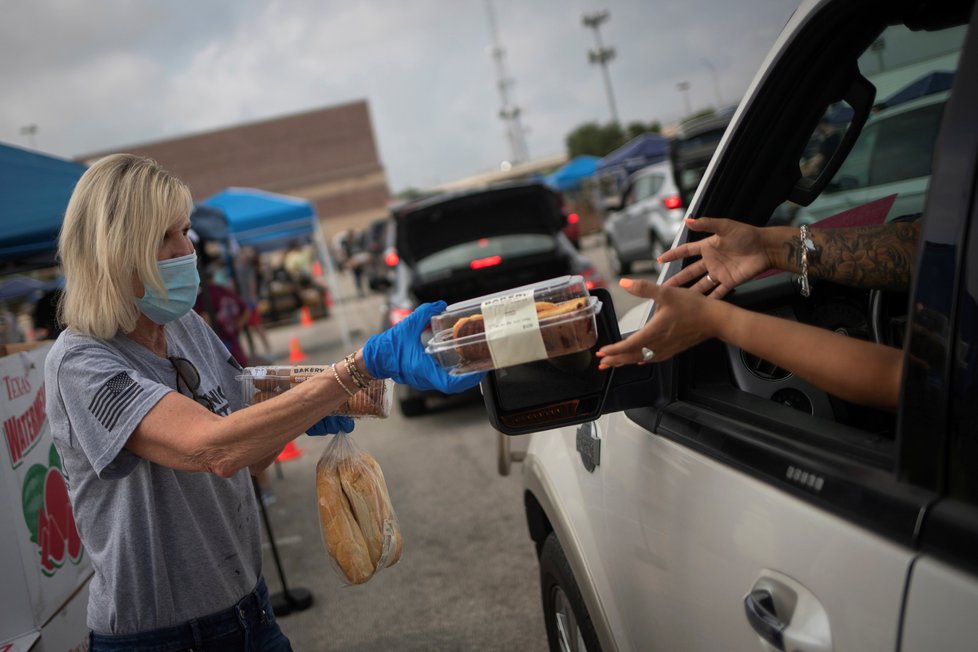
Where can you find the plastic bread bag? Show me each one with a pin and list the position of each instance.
(359, 527)
(262, 383)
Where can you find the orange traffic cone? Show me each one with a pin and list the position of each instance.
(317, 269)
(290, 452)
(295, 353)
(305, 318)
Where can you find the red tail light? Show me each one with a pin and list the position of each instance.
(391, 259)
(592, 279)
(489, 261)
(573, 218)
(397, 314)
(672, 201)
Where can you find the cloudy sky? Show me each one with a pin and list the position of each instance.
(95, 75)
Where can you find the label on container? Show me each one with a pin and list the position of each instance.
(305, 372)
(513, 330)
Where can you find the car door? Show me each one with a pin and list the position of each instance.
(942, 595)
(753, 514)
(740, 508)
(633, 230)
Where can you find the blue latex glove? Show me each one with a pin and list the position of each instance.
(399, 354)
(331, 426)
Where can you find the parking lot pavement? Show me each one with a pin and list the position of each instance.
(467, 579)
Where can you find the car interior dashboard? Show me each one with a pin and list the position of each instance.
(863, 314)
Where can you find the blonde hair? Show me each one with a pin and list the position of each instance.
(114, 225)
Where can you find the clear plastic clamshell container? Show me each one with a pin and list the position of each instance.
(534, 322)
(262, 383)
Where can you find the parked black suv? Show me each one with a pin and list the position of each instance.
(466, 244)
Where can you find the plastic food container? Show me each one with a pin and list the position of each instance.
(534, 322)
(262, 383)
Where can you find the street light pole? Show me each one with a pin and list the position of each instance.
(683, 87)
(602, 55)
(716, 86)
(29, 131)
(509, 113)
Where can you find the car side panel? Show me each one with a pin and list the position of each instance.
(553, 473)
(676, 540)
(941, 606)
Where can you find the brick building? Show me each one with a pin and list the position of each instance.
(327, 156)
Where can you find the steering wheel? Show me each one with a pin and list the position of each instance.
(888, 317)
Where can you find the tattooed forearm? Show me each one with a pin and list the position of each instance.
(880, 257)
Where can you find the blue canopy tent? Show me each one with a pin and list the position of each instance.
(264, 220)
(570, 175)
(635, 154)
(933, 82)
(268, 221)
(34, 193)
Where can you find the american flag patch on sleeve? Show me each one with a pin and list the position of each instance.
(112, 399)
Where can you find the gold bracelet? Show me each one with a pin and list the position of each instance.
(355, 373)
(337, 377)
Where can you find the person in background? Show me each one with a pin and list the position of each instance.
(298, 263)
(155, 436)
(855, 370)
(45, 315)
(230, 314)
(251, 276)
(10, 331)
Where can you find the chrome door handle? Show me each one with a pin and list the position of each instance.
(759, 605)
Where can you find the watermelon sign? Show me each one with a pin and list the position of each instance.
(48, 515)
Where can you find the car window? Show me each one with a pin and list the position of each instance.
(912, 73)
(655, 183)
(485, 252)
(905, 145)
(891, 157)
(642, 189)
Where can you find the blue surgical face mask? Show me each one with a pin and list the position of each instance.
(181, 280)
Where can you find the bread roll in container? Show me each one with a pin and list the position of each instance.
(542, 320)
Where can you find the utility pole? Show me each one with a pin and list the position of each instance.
(29, 131)
(683, 88)
(602, 55)
(508, 112)
(716, 86)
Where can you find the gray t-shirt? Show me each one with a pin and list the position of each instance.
(166, 545)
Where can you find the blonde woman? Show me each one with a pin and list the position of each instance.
(151, 426)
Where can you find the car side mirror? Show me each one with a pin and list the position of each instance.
(568, 390)
(859, 96)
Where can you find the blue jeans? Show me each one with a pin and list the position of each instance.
(248, 626)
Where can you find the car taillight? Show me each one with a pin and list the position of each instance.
(397, 314)
(672, 201)
(391, 259)
(489, 261)
(573, 218)
(592, 279)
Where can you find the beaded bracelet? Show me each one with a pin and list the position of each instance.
(341, 383)
(354, 371)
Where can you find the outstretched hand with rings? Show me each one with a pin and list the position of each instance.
(678, 323)
(733, 254)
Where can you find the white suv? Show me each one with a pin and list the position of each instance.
(716, 502)
(648, 220)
